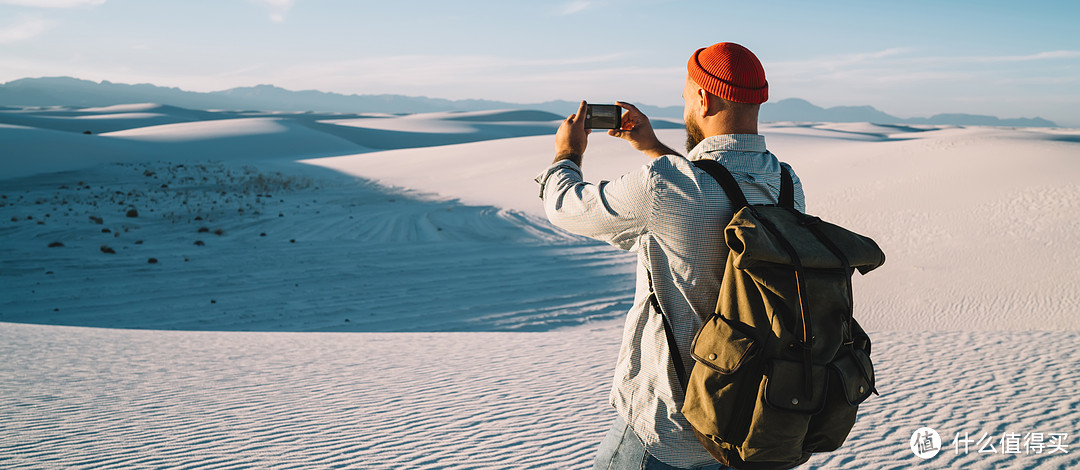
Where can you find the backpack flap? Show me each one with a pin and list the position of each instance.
(785, 387)
(856, 376)
(721, 347)
(752, 236)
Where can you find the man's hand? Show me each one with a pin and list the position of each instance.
(572, 137)
(637, 130)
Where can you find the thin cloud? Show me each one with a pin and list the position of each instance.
(576, 6)
(1048, 55)
(23, 30)
(53, 3)
(902, 57)
(903, 65)
(278, 8)
(837, 62)
(457, 77)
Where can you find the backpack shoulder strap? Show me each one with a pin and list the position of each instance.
(787, 188)
(723, 176)
(673, 348)
(734, 192)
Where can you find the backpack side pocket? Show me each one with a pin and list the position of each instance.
(717, 394)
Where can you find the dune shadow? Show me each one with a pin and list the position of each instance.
(508, 116)
(284, 246)
(382, 139)
(1064, 138)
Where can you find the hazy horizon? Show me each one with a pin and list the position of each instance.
(909, 60)
(824, 114)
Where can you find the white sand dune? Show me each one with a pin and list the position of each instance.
(98, 398)
(440, 129)
(478, 335)
(976, 219)
(103, 119)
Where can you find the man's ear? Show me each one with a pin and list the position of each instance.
(704, 100)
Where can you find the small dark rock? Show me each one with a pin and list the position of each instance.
(152, 261)
(55, 245)
(106, 249)
(199, 243)
(203, 229)
(132, 213)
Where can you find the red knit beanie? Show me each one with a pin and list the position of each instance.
(729, 71)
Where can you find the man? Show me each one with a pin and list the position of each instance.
(673, 215)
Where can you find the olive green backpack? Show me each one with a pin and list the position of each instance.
(782, 365)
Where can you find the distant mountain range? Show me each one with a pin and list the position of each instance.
(67, 91)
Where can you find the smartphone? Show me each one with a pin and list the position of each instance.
(603, 116)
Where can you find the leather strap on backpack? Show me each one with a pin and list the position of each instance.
(673, 347)
(735, 193)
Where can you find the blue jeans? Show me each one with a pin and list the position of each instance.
(621, 449)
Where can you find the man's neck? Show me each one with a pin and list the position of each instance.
(731, 127)
(729, 122)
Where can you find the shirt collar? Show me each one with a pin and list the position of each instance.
(728, 142)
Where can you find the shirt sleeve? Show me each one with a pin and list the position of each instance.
(616, 212)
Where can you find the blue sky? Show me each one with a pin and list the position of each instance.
(907, 58)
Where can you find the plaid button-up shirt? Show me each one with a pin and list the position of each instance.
(673, 215)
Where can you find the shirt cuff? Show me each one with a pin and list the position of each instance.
(542, 178)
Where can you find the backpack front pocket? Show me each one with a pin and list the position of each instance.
(721, 347)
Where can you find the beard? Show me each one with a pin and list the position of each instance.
(694, 135)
